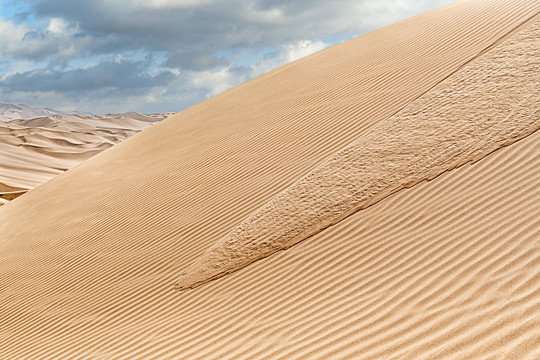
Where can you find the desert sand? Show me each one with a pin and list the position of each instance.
(441, 262)
(32, 151)
(452, 124)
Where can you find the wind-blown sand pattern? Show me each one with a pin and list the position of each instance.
(488, 104)
(33, 151)
(446, 269)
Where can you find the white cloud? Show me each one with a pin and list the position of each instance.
(377, 13)
(58, 38)
(303, 48)
(58, 26)
(267, 16)
(287, 54)
(18, 67)
(10, 32)
(215, 82)
(68, 52)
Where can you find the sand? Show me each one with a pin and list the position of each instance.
(32, 151)
(445, 269)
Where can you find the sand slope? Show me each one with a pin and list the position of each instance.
(33, 151)
(490, 103)
(445, 269)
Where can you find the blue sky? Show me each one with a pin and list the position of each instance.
(165, 55)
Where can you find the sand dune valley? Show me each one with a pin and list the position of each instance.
(379, 199)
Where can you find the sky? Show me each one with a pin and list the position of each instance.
(111, 56)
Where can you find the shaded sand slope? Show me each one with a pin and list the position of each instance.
(33, 151)
(490, 103)
(445, 269)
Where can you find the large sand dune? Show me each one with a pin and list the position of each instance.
(488, 104)
(445, 269)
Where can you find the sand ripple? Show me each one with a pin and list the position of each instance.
(492, 102)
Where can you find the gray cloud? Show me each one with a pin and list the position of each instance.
(195, 60)
(21, 16)
(218, 25)
(129, 76)
(184, 42)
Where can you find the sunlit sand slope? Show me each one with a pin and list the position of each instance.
(445, 269)
(488, 104)
(448, 269)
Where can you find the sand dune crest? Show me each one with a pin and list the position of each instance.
(492, 102)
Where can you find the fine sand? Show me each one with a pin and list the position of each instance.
(441, 269)
(490, 103)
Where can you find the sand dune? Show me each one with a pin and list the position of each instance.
(11, 111)
(33, 151)
(490, 103)
(445, 269)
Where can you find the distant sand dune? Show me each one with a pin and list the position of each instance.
(35, 150)
(446, 269)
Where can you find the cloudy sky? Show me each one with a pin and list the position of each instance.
(104, 56)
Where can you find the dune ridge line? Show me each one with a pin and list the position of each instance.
(488, 104)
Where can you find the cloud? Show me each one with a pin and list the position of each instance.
(195, 60)
(82, 49)
(59, 26)
(188, 25)
(169, 4)
(303, 48)
(215, 82)
(124, 75)
(10, 33)
(58, 39)
(287, 54)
